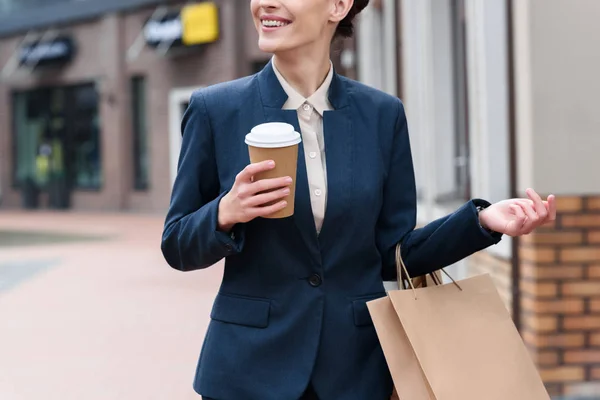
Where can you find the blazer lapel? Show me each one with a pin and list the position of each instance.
(273, 98)
(339, 153)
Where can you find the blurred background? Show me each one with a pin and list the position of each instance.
(500, 95)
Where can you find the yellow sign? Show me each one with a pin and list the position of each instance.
(200, 23)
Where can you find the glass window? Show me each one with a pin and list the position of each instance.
(57, 137)
(84, 134)
(141, 159)
(27, 139)
(461, 103)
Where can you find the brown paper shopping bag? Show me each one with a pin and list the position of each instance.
(454, 342)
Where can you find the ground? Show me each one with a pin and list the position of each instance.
(90, 310)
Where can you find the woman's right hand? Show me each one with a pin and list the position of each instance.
(246, 200)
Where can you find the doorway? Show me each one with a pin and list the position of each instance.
(179, 100)
(57, 143)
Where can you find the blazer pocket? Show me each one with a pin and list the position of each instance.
(241, 310)
(362, 317)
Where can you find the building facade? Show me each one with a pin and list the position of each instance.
(501, 96)
(91, 95)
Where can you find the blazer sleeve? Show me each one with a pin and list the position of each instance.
(190, 238)
(436, 245)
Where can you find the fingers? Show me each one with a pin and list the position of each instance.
(551, 208)
(252, 169)
(546, 210)
(254, 198)
(540, 208)
(268, 210)
(519, 213)
(269, 197)
(265, 185)
(519, 222)
(530, 213)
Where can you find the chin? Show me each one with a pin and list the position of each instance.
(272, 46)
(267, 46)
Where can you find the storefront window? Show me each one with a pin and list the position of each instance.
(57, 137)
(27, 141)
(141, 162)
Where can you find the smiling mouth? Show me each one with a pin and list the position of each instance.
(270, 23)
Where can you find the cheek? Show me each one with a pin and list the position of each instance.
(309, 30)
(254, 6)
(315, 20)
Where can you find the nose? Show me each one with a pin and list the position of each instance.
(268, 4)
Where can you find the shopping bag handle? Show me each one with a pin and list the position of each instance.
(402, 272)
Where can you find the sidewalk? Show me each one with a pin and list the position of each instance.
(104, 318)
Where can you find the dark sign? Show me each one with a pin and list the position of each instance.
(195, 24)
(57, 51)
(168, 30)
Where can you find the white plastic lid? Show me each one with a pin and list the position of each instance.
(273, 135)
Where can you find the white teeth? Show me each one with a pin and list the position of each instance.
(272, 23)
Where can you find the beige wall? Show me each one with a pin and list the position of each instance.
(558, 88)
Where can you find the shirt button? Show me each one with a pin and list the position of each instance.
(315, 280)
(312, 154)
(318, 192)
(306, 107)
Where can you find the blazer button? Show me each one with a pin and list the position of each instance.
(229, 247)
(315, 280)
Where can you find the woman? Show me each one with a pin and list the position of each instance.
(290, 319)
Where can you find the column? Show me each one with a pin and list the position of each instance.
(418, 96)
(377, 64)
(116, 134)
(489, 169)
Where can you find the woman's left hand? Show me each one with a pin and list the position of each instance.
(516, 217)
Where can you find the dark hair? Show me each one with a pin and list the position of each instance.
(346, 26)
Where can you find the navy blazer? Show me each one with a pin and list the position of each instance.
(291, 307)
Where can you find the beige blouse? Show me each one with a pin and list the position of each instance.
(310, 116)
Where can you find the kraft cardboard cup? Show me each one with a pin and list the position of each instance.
(279, 142)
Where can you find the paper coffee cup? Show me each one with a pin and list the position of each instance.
(276, 141)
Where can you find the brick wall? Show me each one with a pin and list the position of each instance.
(560, 288)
